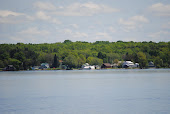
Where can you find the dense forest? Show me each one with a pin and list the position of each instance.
(74, 54)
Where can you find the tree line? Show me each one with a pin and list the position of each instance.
(74, 54)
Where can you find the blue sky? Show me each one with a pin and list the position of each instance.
(50, 21)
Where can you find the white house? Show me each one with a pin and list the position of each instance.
(130, 64)
(44, 66)
(86, 66)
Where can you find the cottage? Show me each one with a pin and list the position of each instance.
(106, 65)
(129, 64)
(9, 68)
(44, 66)
(35, 67)
(86, 66)
(151, 64)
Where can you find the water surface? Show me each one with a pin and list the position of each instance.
(117, 91)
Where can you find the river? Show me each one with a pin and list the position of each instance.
(117, 91)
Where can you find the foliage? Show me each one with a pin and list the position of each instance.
(142, 60)
(56, 62)
(94, 61)
(74, 54)
(158, 62)
(15, 62)
(71, 61)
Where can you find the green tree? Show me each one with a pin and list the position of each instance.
(112, 56)
(101, 55)
(1, 64)
(142, 60)
(56, 62)
(94, 61)
(27, 64)
(116, 61)
(81, 60)
(67, 41)
(19, 56)
(158, 62)
(15, 62)
(71, 61)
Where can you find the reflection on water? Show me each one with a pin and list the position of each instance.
(90, 91)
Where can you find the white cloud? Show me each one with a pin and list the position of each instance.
(31, 35)
(112, 30)
(103, 36)
(74, 26)
(160, 9)
(67, 31)
(139, 18)
(73, 34)
(6, 13)
(34, 31)
(10, 17)
(133, 22)
(159, 34)
(44, 6)
(43, 16)
(85, 9)
(80, 34)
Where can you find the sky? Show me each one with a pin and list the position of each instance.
(51, 21)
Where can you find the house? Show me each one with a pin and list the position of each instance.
(129, 64)
(9, 68)
(106, 65)
(136, 65)
(86, 66)
(44, 66)
(35, 67)
(151, 64)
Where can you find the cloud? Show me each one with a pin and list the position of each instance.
(103, 36)
(160, 9)
(83, 9)
(10, 17)
(73, 34)
(34, 31)
(112, 30)
(44, 6)
(159, 34)
(43, 16)
(74, 26)
(6, 13)
(31, 35)
(133, 22)
(139, 18)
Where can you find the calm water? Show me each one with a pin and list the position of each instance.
(86, 92)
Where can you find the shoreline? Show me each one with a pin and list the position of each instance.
(85, 70)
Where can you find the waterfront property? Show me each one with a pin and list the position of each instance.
(106, 65)
(129, 64)
(9, 68)
(44, 66)
(151, 64)
(86, 66)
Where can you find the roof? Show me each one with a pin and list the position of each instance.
(44, 64)
(151, 63)
(10, 66)
(107, 64)
(60, 61)
(128, 62)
